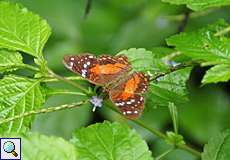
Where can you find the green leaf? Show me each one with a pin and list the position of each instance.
(110, 141)
(10, 60)
(218, 147)
(17, 96)
(218, 73)
(36, 146)
(22, 30)
(197, 5)
(169, 88)
(141, 59)
(203, 44)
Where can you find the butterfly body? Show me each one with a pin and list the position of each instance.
(113, 73)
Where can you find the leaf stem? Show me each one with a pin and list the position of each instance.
(152, 130)
(223, 31)
(68, 81)
(174, 115)
(158, 133)
(53, 79)
(55, 92)
(165, 153)
(189, 149)
(43, 110)
(173, 69)
(32, 68)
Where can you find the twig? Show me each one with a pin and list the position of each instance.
(68, 81)
(222, 32)
(173, 69)
(43, 110)
(87, 7)
(32, 68)
(165, 153)
(184, 21)
(53, 79)
(55, 92)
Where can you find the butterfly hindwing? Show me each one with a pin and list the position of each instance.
(126, 95)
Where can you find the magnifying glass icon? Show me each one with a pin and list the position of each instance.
(9, 147)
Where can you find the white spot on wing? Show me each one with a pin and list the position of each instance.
(85, 66)
(71, 64)
(88, 63)
(141, 99)
(72, 58)
(129, 112)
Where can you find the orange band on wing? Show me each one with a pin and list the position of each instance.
(108, 68)
(130, 87)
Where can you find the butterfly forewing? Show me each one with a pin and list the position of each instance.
(101, 71)
(126, 95)
(82, 64)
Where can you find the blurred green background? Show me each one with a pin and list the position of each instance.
(114, 25)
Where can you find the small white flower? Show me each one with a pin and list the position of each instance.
(96, 102)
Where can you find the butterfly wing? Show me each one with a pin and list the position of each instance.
(127, 95)
(100, 71)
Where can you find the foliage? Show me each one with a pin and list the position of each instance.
(207, 47)
(200, 5)
(217, 147)
(35, 146)
(119, 142)
(10, 61)
(27, 80)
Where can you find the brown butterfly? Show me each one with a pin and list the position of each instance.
(124, 91)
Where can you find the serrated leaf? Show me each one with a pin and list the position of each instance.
(141, 59)
(22, 30)
(218, 73)
(203, 44)
(169, 88)
(9, 60)
(197, 5)
(41, 147)
(218, 147)
(19, 95)
(110, 141)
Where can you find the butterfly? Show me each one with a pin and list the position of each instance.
(112, 72)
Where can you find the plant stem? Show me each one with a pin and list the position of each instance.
(68, 81)
(223, 31)
(32, 68)
(189, 149)
(173, 69)
(43, 110)
(65, 92)
(53, 79)
(165, 153)
(152, 130)
(158, 133)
